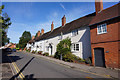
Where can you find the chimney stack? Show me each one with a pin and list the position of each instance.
(63, 20)
(38, 33)
(98, 6)
(42, 31)
(33, 37)
(52, 27)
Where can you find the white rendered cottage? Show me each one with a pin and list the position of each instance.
(77, 30)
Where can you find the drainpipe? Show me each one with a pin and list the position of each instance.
(61, 40)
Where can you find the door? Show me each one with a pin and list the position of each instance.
(50, 49)
(99, 57)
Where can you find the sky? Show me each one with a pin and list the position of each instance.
(34, 16)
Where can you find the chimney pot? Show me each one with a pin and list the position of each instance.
(42, 31)
(98, 6)
(38, 33)
(52, 26)
(63, 20)
(33, 37)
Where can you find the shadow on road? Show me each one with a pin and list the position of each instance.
(6, 58)
(29, 77)
(15, 76)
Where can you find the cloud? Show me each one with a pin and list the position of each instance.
(16, 29)
(62, 6)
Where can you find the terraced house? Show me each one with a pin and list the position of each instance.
(95, 35)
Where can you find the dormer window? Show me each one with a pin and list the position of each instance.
(75, 32)
(101, 29)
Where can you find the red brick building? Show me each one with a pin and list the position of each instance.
(105, 36)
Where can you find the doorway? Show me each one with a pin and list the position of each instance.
(99, 57)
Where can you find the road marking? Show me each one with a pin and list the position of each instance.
(16, 68)
(89, 77)
(19, 70)
(70, 67)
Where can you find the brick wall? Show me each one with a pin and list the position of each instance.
(111, 35)
(111, 58)
(110, 41)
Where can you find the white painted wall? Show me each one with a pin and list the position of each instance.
(83, 39)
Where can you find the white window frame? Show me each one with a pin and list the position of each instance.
(47, 48)
(75, 32)
(101, 28)
(74, 48)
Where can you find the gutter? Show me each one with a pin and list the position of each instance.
(104, 21)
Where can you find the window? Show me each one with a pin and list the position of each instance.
(75, 47)
(47, 48)
(101, 29)
(75, 32)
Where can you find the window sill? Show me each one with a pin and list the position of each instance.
(101, 33)
(75, 51)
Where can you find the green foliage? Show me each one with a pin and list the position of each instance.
(63, 48)
(26, 36)
(39, 52)
(4, 25)
(28, 50)
(17, 45)
(88, 61)
(17, 48)
(69, 57)
(45, 54)
(63, 52)
(34, 52)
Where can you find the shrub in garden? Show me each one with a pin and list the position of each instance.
(46, 54)
(33, 52)
(39, 52)
(69, 57)
(63, 48)
(88, 60)
(57, 55)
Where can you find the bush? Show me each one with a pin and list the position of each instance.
(88, 60)
(63, 47)
(28, 50)
(69, 57)
(46, 54)
(63, 52)
(17, 48)
(39, 52)
(57, 55)
(34, 52)
(80, 60)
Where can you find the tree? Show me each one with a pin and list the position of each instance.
(26, 36)
(63, 47)
(4, 25)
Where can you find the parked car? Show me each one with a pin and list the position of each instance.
(14, 50)
(8, 50)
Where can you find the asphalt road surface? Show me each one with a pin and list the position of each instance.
(27, 65)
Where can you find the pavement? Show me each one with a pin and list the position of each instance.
(30, 66)
(5, 69)
(26, 65)
(103, 72)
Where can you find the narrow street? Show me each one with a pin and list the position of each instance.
(30, 66)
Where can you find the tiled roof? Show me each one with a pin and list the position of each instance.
(31, 41)
(106, 14)
(87, 20)
(81, 22)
